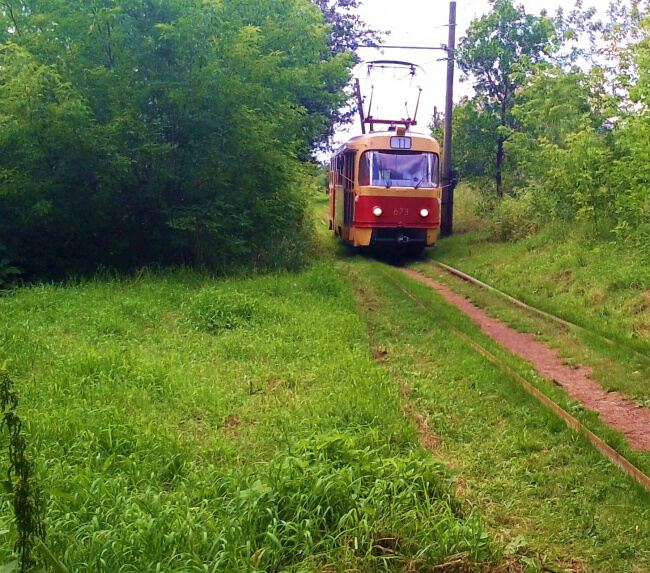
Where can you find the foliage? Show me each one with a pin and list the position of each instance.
(631, 170)
(8, 271)
(496, 46)
(574, 140)
(513, 219)
(26, 496)
(347, 32)
(160, 131)
(556, 154)
(629, 180)
(475, 132)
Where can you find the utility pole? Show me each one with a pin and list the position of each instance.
(448, 181)
(362, 115)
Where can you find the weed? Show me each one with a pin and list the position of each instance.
(25, 492)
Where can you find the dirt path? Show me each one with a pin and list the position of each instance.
(615, 409)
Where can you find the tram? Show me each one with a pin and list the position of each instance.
(384, 190)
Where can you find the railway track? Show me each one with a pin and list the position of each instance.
(544, 314)
(605, 449)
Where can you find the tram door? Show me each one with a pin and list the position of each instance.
(343, 200)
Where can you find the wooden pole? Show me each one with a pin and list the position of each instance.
(448, 183)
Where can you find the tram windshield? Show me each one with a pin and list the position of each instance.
(399, 169)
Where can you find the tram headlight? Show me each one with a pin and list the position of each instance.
(377, 211)
(424, 212)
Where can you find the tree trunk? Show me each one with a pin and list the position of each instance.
(499, 165)
(500, 141)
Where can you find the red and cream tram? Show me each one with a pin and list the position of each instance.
(384, 189)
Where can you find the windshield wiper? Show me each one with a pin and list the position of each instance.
(419, 183)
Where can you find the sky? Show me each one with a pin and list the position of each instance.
(423, 23)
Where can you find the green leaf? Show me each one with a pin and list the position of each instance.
(56, 565)
(9, 567)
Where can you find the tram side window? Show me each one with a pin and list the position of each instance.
(364, 169)
(338, 170)
(349, 170)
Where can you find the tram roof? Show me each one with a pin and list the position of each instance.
(381, 140)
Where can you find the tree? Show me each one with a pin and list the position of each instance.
(497, 45)
(347, 32)
(160, 131)
(551, 106)
(475, 133)
(630, 173)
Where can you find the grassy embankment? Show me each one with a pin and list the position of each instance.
(541, 487)
(568, 271)
(183, 423)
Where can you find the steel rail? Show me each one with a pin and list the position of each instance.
(470, 279)
(605, 449)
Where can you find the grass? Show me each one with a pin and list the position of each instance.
(184, 423)
(591, 281)
(543, 490)
(565, 269)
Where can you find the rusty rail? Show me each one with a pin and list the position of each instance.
(542, 313)
(604, 448)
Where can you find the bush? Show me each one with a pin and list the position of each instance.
(514, 218)
(161, 132)
(8, 272)
(473, 202)
(629, 179)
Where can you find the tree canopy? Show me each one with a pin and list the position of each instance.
(140, 132)
(496, 46)
(561, 105)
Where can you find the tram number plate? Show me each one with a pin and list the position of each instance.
(400, 142)
(401, 212)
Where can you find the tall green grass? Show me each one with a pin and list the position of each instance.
(183, 423)
(553, 500)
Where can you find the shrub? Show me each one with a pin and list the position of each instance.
(170, 133)
(8, 271)
(514, 218)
